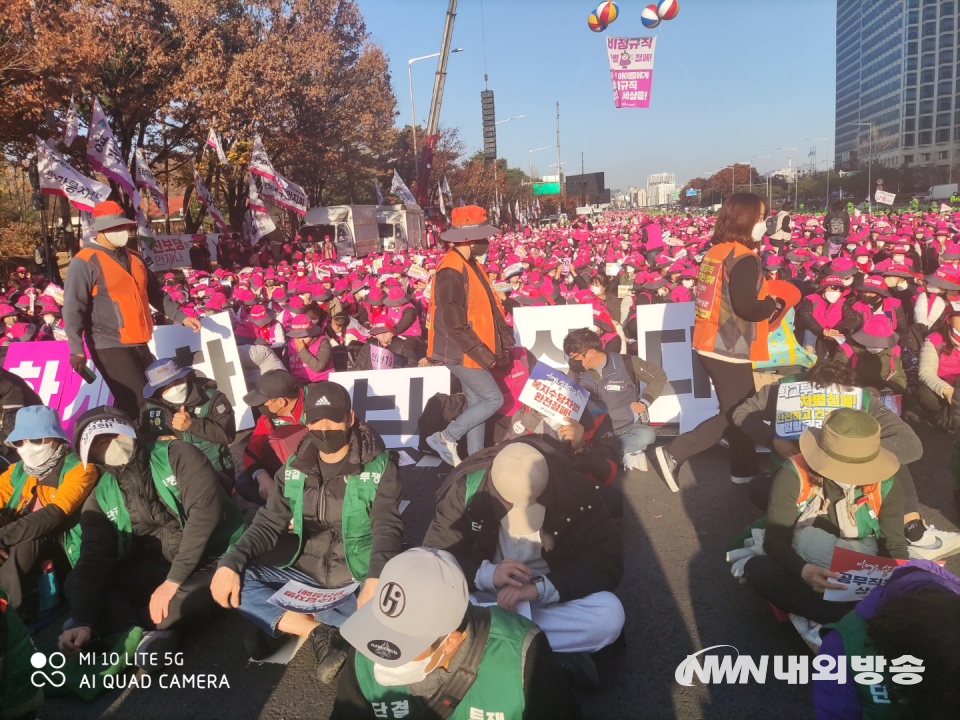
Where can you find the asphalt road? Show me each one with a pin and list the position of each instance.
(677, 590)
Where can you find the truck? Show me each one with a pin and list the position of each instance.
(941, 192)
(401, 227)
(353, 228)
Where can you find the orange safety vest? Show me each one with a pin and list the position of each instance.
(127, 291)
(717, 328)
(872, 495)
(479, 312)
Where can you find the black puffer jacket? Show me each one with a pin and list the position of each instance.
(581, 543)
(15, 393)
(322, 557)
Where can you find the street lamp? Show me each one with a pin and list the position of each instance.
(796, 177)
(828, 167)
(413, 114)
(496, 188)
(750, 169)
(869, 164)
(530, 158)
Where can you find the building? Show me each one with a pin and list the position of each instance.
(590, 186)
(897, 74)
(661, 188)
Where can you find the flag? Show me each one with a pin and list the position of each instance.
(260, 163)
(87, 233)
(443, 210)
(57, 177)
(445, 190)
(144, 178)
(260, 221)
(286, 194)
(400, 189)
(944, 207)
(376, 184)
(206, 199)
(104, 156)
(72, 127)
(214, 142)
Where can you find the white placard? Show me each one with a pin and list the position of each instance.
(511, 270)
(664, 336)
(542, 329)
(800, 406)
(553, 394)
(380, 357)
(418, 273)
(305, 599)
(170, 252)
(392, 401)
(212, 353)
(885, 198)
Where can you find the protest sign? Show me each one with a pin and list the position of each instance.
(511, 270)
(380, 357)
(664, 334)
(859, 572)
(553, 394)
(542, 330)
(623, 291)
(502, 287)
(301, 598)
(392, 401)
(612, 269)
(885, 198)
(418, 273)
(631, 70)
(54, 291)
(212, 353)
(171, 252)
(800, 405)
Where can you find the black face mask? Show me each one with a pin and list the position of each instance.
(576, 366)
(480, 247)
(330, 441)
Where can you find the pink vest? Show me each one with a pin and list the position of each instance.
(269, 332)
(395, 313)
(681, 294)
(889, 307)
(511, 381)
(949, 368)
(824, 313)
(300, 370)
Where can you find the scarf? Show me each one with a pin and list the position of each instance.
(41, 471)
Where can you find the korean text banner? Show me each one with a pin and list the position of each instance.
(631, 70)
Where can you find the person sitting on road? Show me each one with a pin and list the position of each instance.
(615, 380)
(875, 355)
(150, 536)
(422, 646)
(183, 406)
(333, 518)
(309, 354)
(15, 393)
(19, 698)
(256, 357)
(40, 500)
(275, 436)
(383, 335)
(939, 373)
(841, 490)
(525, 526)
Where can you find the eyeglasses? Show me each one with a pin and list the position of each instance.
(23, 443)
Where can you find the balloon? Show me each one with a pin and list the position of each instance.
(668, 9)
(649, 17)
(607, 12)
(594, 23)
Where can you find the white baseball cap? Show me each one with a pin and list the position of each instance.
(102, 426)
(422, 596)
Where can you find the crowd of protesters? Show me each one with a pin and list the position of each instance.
(138, 515)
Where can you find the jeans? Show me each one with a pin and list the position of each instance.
(635, 438)
(260, 582)
(248, 488)
(484, 398)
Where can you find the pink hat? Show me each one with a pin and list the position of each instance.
(22, 331)
(301, 326)
(875, 284)
(383, 325)
(376, 296)
(260, 316)
(396, 296)
(877, 332)
(831, 281)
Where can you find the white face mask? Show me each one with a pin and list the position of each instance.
(898, 259)
(49, 319)
(175, 394)
(688, 283)
(759, 230)
(120, 451)
(35, 454)
(875, 351)
(851, 248)
(596, 289)
(862, 259)
(831, 296)
(933, 291)
(848, 281)
(117, 238)
(407, 674)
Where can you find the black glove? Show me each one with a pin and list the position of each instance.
(78, 362)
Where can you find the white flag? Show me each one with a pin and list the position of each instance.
(260, 163)
(206, 199)
(214, 142)
(445, 190)
(87, 233)
(443, 210)
(57, 177)
(260, 221)
(104, 155)
(286, 194)
(400, 189)
(72, 127)
(145, 178)
(376, 184)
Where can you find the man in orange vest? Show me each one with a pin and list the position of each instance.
(466, 330)
(106, 302)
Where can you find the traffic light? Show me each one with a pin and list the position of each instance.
(489, 126)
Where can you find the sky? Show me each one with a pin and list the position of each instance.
(732, 79)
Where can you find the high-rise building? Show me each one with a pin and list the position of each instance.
(661, 188)
(898, 80)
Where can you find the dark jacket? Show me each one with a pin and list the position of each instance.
(156, 529)
(322, 556)
(406, 353)
(581, 542)
(849, 322)
(15, 393)
(219, 426)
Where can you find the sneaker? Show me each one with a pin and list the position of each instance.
(635, 461)
(580, 670)
(331, 651)
(259, 645)
(667, 467)
(154, 649)
(809, 631)
(737, 480)
(446, 449)
(936, 544)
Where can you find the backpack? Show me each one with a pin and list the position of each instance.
(835, 225)
(772, 224)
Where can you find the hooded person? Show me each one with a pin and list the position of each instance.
(151, 533)
(186, 407)
(40, 499)
(423, 647)
(467, 330)
(331, 520)
(388, 348)
(840, 490)
(526, 527)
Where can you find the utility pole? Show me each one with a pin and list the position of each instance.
(559, 178)
(583, 185)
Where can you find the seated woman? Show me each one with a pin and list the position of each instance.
(840, 490)
(875, 355)
(939, 372)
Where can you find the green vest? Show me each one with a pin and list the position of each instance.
(868, 524)
(496, 693)
(355, 518)
(218, 455)
(71, 537)
(875, 700)
(18, 695)
(232, 522)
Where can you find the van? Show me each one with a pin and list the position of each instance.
(400, 227)
(353, 228)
